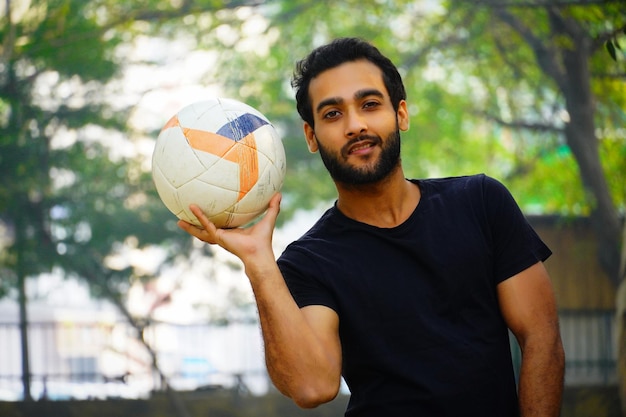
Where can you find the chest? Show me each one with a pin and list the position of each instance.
(425, 271)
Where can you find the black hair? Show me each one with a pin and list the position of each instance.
(338, 52)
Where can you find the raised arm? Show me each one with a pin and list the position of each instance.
(529, 308)
(302, 348)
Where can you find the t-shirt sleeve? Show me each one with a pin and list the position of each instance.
(516, 245)
(304, 278)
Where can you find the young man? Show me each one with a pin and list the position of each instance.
(407, 288)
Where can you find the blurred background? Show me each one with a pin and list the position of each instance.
(104, 303)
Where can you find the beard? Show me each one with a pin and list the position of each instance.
(343, 173)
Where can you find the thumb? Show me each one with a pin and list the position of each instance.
(273, 209)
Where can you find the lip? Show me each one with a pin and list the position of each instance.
(361, 147)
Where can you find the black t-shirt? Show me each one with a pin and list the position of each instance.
(419, 322)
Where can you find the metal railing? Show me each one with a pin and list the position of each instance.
(87, 360)
(590, 344)
(103, 360)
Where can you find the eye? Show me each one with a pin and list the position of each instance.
(331, 114)
(370, 104)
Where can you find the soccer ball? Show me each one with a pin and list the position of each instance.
(221, 155)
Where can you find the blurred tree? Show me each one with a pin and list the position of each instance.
(565, 107)
(555, 51)
(70, 198)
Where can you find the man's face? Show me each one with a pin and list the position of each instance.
(378, 169)
(357, 131)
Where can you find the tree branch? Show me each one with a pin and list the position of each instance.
(520, 124)
(601, 39)
(545, 56)
(186, 8)
(609, 76)
(519, 74)
(538, 3)
(454, 39)
(95, 273)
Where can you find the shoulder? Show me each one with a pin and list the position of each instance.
(317, 236)
(476, 187)
(476, 181)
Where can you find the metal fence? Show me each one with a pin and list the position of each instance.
(105, 359)
(590, 344)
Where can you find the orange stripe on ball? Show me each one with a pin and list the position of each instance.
(248, 160)
(209, 142)
(242, 152)
(171, 123)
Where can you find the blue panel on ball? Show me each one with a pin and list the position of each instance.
(241, 127)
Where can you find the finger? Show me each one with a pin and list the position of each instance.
(198, 232)
(189, 228)
(203, 219)
(273, 209)
(276, 199)
(206, 233)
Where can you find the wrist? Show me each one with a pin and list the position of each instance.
(260, 268)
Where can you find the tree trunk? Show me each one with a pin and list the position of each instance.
(620, 307)
(20, 269)
(581, 138)
(24, 350)
(621, 343)
(175, 398)
(569, 68)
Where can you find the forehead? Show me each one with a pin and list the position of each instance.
(343, 81)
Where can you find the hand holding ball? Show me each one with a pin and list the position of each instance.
(221, 155)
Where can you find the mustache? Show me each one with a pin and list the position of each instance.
(372, 138)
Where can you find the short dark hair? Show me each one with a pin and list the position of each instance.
(338, 52)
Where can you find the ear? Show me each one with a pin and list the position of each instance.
(403, 116)
(309, 136)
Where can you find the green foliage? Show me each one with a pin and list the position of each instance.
(69, 39)
(64, 202)
(473, 82)
(613, 153)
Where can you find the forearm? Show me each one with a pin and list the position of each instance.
(541, 377)
(529, 308)
(301, 365)
(302, 351)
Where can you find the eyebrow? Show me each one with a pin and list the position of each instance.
(366, 92)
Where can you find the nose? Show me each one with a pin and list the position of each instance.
(355, 124)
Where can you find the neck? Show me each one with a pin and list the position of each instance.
(387, 203)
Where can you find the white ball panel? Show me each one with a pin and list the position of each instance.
(267, 141)
(206, 159)
(279, 162)
(223, 175)
(270, 145)
(225, 219)
(203, 115)
(166, 191)
(232, 219)
(175, 158)
(212, 200)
